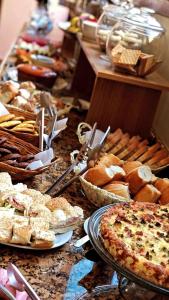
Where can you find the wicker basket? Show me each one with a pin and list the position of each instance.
(25, 148)
(31, 138)
(98, 196)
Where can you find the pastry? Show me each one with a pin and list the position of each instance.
(164, 199)
(38, 224)
(9, 124)
(118, 189)
(109, 160)
(130, 166)
(8, 91)
(138, 178)
(100, 175)
(6, 118)
(40, 75)
(148, 194)
(162, 184)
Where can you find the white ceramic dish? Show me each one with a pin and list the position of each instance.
(60, 240)
(85, 225)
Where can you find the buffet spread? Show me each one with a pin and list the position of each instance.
(131, 234)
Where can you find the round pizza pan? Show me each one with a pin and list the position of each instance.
(95, 238)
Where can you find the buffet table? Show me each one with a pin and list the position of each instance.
(116, 99)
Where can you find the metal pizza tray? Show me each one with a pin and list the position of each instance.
(95, 238)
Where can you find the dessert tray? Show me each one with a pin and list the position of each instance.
(95, 238)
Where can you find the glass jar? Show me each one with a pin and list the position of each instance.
(140, 32)
(110, 16)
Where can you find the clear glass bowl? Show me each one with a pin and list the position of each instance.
(110, 16)
(137, 32)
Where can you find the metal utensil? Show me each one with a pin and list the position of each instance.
(18, 281)
(40, 121)
(81, 241)
(5, 294)
(93, 155)
(79, 157)
(52, 129)
(46, 102)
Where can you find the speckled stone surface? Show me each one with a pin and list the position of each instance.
(59, 273)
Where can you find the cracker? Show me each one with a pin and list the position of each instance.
(129, 57)
(9, 124)
(6, 118)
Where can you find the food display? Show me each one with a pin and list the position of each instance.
(28, 217)
(134, 44)
(134, 61)
(40, 75)
(12, 154)
(136, 236)
(18, 124)
(124, 181)
(135, 148)
(27, 97)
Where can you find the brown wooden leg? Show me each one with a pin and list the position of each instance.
(84, 78)
(129, 107)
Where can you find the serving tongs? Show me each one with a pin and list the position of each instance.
(19, 282)
(46, 102)
(52, 129)
(86, 154)
(40, 121)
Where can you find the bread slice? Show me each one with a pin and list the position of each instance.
(110, 160)
(164, 199)
(162, 184)
(129, 166)
(39, 224)
(100, 175)
(43, 239)
(138, 178)
(148, 194)
(21, 234)
(118, 189)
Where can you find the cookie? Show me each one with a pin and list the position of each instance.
(6, 118)
(9, 124)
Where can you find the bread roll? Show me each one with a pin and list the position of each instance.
(130, 166)
(100, 175)
(118, 189)
(148, 194)
(162, 184)
(138, 178)
(109, 160)
(112, 139)
(149, 153)
(164, 199)
(8, 91)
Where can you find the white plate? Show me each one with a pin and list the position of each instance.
(85, 225)
(60, 240)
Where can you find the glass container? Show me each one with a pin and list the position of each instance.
(140, 32)
(110, 16)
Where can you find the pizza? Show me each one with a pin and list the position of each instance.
(137, 236)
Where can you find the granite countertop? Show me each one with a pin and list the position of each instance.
(59, 273)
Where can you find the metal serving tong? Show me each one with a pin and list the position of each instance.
(41, 124)
(52, 128)
(18, 281)
(86, 154)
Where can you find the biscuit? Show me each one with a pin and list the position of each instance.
(9, 124)
(130, 57)
(6, 118)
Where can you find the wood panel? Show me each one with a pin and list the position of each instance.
(118, 104)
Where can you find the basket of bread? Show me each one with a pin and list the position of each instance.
(32, 219)
(113, 180)
(16, 155)
(27, 97)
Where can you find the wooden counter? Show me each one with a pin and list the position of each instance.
(117, 99)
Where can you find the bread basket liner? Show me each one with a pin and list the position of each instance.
(98, 196)
(26, 148)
